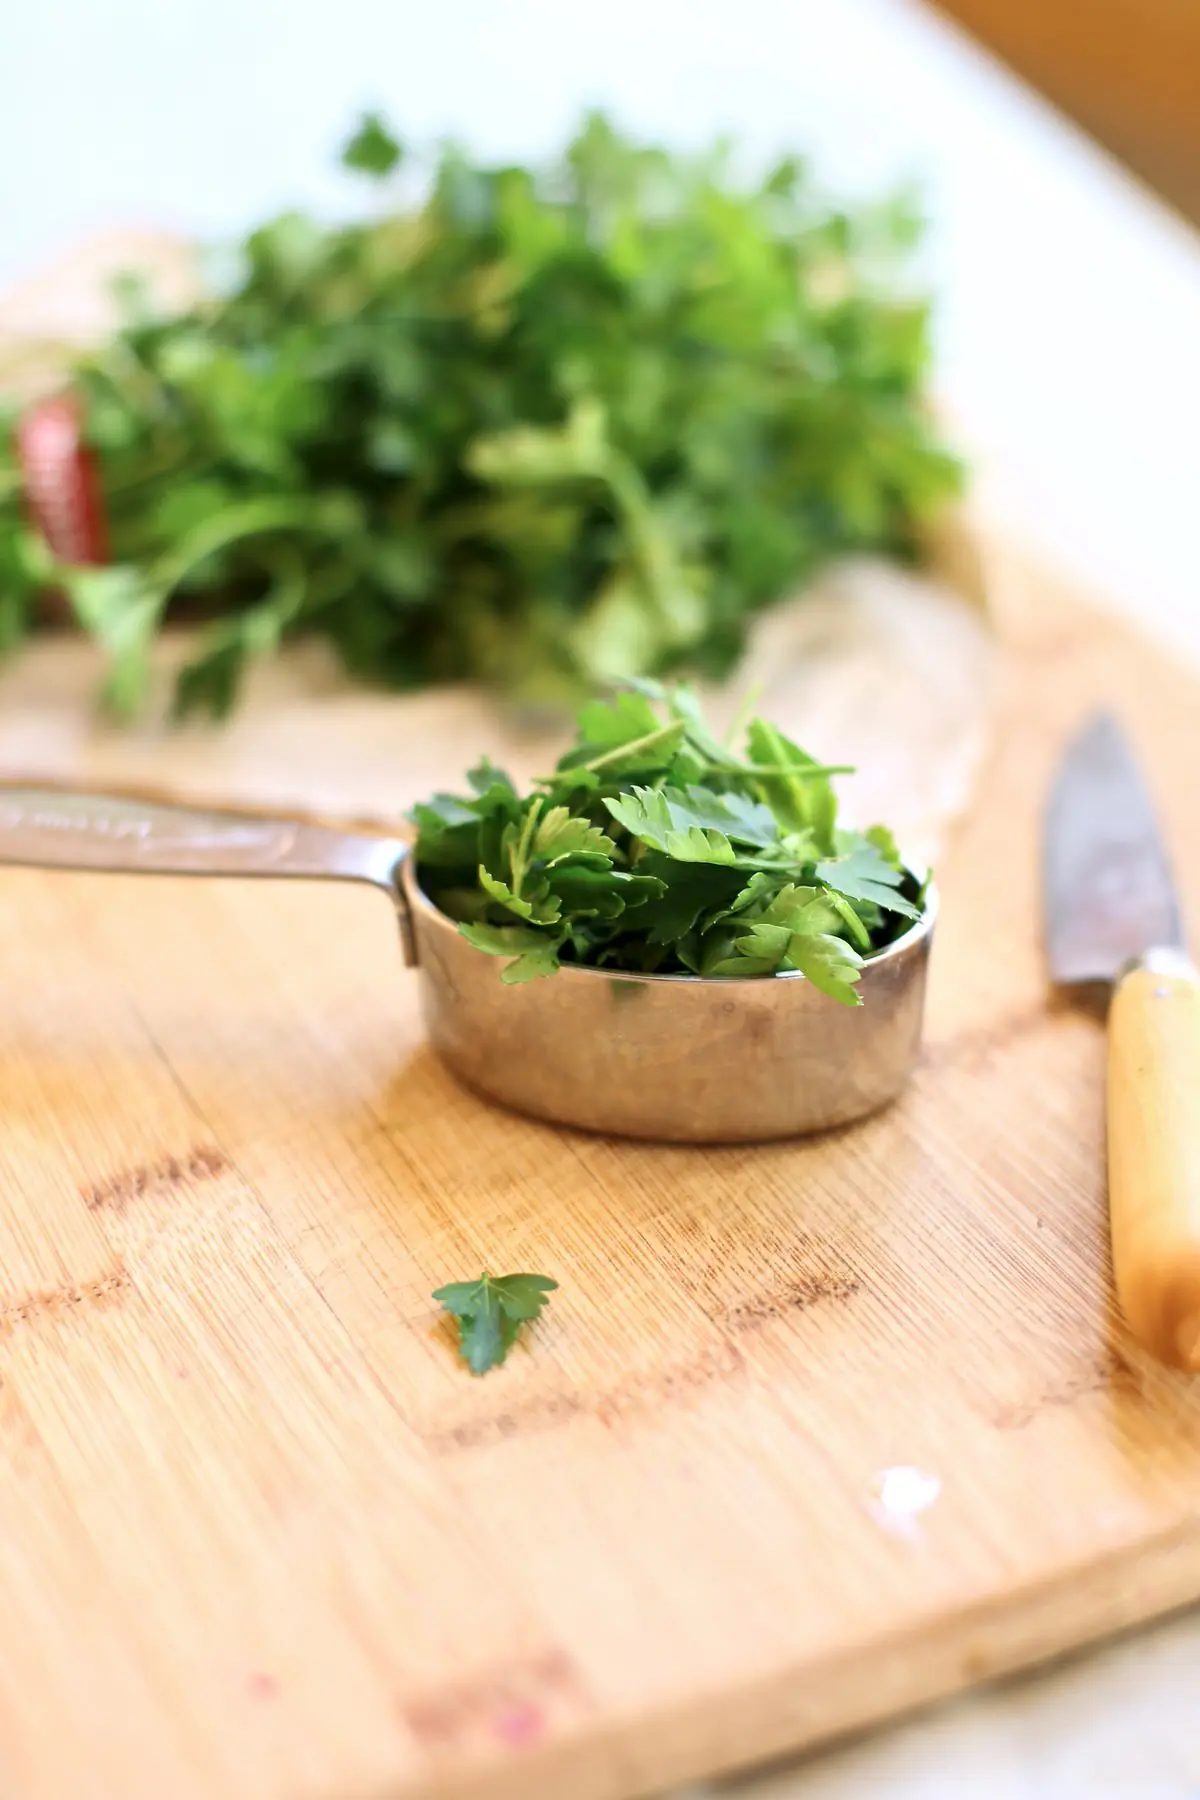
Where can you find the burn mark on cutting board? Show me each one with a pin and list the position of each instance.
(511, 1704)
(799, 1295)
(648, 1390)
(745, 1278)
(203, 1163)
(525, 1420)
(1110, 1373)
(53, 1304)
(645, 1391)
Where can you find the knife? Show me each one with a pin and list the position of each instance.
(1112, 917)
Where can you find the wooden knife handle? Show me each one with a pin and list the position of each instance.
(1154, 1154)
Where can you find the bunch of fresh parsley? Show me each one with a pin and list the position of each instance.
(654, 849)
(541, 426)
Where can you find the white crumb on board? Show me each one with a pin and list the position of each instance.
(899, 1495)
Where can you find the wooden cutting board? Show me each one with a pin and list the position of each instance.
(810, 1433)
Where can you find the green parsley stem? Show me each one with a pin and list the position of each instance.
(623, 750)
(808, 772)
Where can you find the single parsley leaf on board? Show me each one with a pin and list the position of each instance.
(489, 1312)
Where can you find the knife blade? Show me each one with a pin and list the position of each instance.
(1111, 915)
(1108, 888)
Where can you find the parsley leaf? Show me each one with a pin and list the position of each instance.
(862, 872)
(798, 792)
(656, 816)
(531, 953)
(372, 150)
(489, 1312)
(831, 965)
(665, 821)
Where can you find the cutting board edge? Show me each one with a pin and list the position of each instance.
(751, 1729)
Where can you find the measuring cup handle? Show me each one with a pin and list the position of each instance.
(42, 829)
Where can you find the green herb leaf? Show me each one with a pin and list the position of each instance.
(490, 1310)
(830, 964)
(802, 800)
(533, 955)
(652, 818)
(559, 835)
(533, 965)
(861, 872)
(541, 907)
(372, 150)
(885, 843)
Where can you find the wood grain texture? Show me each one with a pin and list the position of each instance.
(261, 1538)
(1154, 1159)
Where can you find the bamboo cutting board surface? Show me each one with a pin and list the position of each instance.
(810, 1433)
